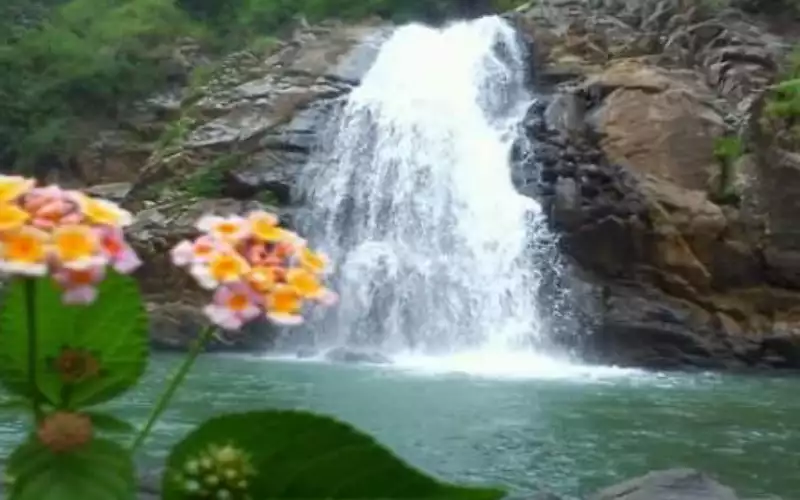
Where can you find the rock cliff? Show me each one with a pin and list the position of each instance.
(677, 255)
(677, 258)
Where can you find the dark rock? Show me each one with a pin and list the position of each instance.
(355, 64)
(640, 327)
(565, 113)
(735, 264)
(356, 356)
(270, 170)
(173, 327)
(307, 352)
(567, 203)
(673, 484)
(783, 267)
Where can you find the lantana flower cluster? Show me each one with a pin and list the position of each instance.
(255, 268)
(64, 233)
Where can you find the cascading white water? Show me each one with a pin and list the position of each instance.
(412, 198)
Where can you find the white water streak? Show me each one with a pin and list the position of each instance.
(412, 197)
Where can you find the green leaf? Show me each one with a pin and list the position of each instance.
(301, 455)
(112, 332)
(101, 470)
(110, 423)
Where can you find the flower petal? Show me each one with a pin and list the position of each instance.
(207, 222)
(75, 243)
(105, 212)
(12, 217)
(127, 261)
(201, 273)
(223, 317)
(79, 295)
(12, 187)
(285, 319)
(23, 268)
(182, 254)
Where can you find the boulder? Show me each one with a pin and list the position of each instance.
(672, 484)
(356, 356)
(174, 326)
(658, 122)
(664, 271)
(266, 111)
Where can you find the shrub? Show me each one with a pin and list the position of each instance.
(88, 58)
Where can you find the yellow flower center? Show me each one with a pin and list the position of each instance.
(269, 234)
(238, 302)
(264, 278)
(228, 228)
(81, 277)
(27, 245)
(312, 261)
(12, 217)
(227, 267)
(74, 243)
(284, 299)
(100, 214)
(264, 226)
(304, 282)
(203, 249)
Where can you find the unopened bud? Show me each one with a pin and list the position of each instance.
(64, 431)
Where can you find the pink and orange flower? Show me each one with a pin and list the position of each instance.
(256, 269)
(67, 234)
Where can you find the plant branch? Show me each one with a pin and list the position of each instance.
(176, 381)
(30, 311)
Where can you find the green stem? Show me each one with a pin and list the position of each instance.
(30, 311)
(177, 379)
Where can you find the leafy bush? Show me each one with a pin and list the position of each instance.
(781, 115)
(87, 59)
(68, 63)
(209, 181)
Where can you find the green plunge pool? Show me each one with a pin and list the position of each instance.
(568, 433)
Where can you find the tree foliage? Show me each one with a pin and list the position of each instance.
(65, 63)
(86, 57)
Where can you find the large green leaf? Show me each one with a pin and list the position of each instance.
(110, 423)
(301, 455)
(101, 470)
(112, 330)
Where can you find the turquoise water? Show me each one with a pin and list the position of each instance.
(569, 434)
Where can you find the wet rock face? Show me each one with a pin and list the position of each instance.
(238, 144)
(663, 273)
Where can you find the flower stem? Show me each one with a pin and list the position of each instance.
(30, 311)
(177, 380)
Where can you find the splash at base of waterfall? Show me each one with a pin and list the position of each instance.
(505, 364)
(488, 364)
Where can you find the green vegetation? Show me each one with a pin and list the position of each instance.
(783, 8)
(69, 65)
(208, 181)
(727, 150)
(86, 60)
(781, 113)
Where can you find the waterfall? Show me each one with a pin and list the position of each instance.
(411, 197)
